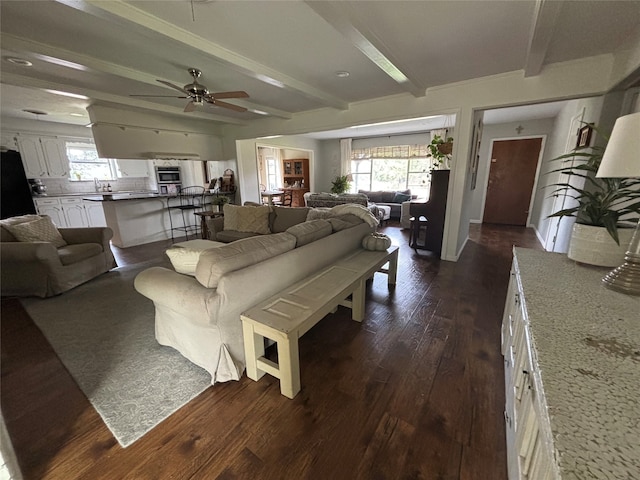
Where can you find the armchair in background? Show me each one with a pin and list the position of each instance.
(37, 259)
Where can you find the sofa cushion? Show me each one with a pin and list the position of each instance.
(285, 217)
(77, 252)
(247, 219)
(228, 236)
(184, 256)
(400, 197)
(311, 231)
(319, 213)
(216, 262)
(41, 229)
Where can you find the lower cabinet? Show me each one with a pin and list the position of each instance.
(70, 212)
(529, 446)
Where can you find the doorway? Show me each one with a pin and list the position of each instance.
(512, 175)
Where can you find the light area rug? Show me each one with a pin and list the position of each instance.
(103, 331)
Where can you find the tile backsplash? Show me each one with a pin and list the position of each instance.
(62, 186)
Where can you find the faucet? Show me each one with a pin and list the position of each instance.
(96, 184)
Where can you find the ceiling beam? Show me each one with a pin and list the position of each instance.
(88, 63)
(29, 82)
(542, 27)
(124, 13)
(337, 14)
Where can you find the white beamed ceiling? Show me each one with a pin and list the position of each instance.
(285, 54)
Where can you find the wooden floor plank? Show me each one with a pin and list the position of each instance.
(414, 391)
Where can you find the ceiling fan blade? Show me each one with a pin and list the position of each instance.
(158, 96)
(236, 94)
(169, 84)
(191, 106)
(230, 106)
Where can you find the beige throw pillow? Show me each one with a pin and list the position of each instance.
(40, 230)
(247, 219)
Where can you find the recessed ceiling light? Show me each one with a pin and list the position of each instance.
(35, 112)
(342, 74)
(19, 61)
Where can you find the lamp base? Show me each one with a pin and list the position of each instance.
(626, 278)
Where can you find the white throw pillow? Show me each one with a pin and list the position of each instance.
(184, 256)
(247, 219)
(39, 230)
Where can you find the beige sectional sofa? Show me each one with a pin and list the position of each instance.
(199, 314)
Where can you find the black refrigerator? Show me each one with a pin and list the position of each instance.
(15, 195)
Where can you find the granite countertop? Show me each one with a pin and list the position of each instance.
(108, 197)
(586, 344)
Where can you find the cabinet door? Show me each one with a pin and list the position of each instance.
(132, 168)
(52, 208)
(74, 214)
(32, 156)
(8, 140)
(55, 156)
(95, 214)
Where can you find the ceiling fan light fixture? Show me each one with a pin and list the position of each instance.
(342, 74)
(23, 62)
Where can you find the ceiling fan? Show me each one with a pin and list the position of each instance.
(199, 94)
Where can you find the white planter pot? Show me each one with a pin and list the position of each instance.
(594, 246)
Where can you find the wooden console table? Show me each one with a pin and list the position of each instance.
(288, 315)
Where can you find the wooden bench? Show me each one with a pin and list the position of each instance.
(288, 315)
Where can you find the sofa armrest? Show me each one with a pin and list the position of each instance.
(25, 252)
(215, 225)
(180, 293)
(100, 235)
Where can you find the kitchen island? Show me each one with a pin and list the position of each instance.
(139, 218)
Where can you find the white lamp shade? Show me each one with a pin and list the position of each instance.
(621, 158)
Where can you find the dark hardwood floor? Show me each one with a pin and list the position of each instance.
(414, 392)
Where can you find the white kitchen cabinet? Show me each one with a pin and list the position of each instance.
(51, 206)
(166, 163)
(95, 214)
(71, 212)
(43, 156)
(8, 141)
(132, 168)
(74, 212)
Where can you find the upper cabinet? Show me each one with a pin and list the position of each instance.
(43, 156)
(132, 168)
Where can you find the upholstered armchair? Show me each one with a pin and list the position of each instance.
(47, 268)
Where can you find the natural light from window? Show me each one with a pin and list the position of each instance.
(85, 165)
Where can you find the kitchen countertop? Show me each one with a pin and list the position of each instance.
(586, 340)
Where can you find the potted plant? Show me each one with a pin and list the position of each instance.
(340, 184)
(219, 201)
(599, 236)
(440, 150)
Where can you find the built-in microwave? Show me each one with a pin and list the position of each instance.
(166, 175)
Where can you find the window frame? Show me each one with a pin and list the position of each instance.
(75, 174)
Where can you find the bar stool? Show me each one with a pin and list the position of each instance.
(187, 202)
(417, 223)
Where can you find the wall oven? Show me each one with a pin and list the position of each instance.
(169, 180)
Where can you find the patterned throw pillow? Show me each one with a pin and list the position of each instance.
(247, 219)
(40, 230)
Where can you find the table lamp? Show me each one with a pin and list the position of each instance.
(621, 159)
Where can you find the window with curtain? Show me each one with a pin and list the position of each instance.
(392, 168)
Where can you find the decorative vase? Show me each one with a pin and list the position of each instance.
(594, 246)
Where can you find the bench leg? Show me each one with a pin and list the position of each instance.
(358, 298)
(289, 366)
(253, 350)
(393, 268)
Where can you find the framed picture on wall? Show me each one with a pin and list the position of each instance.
(584, 136)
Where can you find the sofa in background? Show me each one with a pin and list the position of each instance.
(397, 201)
(37, 259)
(199, 314)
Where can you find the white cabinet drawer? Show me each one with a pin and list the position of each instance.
(43, 202)
(70, 201)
